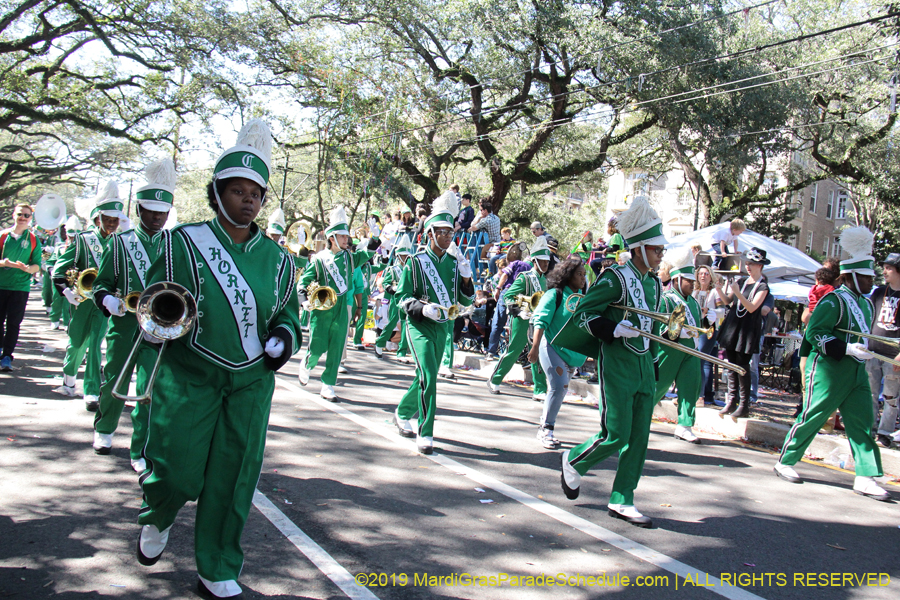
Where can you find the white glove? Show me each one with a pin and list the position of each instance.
(71, 296)
(433, 312)
(115, 306)
(275, 347)
(686, 333)
(525, 314)
(625, 329)
(305, 305)
(860, 351)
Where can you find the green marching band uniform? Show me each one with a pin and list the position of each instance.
(369, 272)
(59, 306)
(675, 366)
(212, 397)
(328, 328)
(88, 324)
(49, 243)
(429, 286)
(390, 281)
(836, 376)
(525, 284)
(625, 403)
(123, 271)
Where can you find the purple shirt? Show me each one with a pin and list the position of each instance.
(513, 269)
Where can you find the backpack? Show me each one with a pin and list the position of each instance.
(31, 236)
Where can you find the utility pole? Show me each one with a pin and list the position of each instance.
(287, 157)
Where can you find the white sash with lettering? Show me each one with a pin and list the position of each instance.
(243, 304)
(327, 259)
(135, 250)
(533, 279)
(688, 317)
(434, 278)
(94, 246)
(855, 310)
(635, 291)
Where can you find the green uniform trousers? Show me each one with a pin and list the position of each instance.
(304, 318)
(86, 331)
(836, 385)
(627, 388)
(363, 315)
(205, 442)
(119, 341)
(47, 288)
(328, 335)
(388, 332)
(685, 371)
(427, 341)
(59, 309)
(447, 360)
(518, 339)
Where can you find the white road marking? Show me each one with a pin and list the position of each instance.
(637, 550)
(314, 552)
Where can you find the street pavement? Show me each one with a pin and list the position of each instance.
(343, 498)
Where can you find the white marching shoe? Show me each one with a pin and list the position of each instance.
(686, 434)
(787, 473)
(379, 352)
(569, 477)
(404, 426)
(139, 465)
(217, 589)
(866, 486)
(327, 392)
(493, 387)
(151, 544)
(342, 369)
(539, 397)
(425, 444)
(66, 390)
(102, 442)
(629, 514)
(303, 374)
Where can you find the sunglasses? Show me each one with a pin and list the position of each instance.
(23, 215)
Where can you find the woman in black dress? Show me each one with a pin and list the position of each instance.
(740, 333)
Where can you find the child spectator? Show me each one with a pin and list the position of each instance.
(725, 241)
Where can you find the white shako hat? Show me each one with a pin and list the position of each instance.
(276, 222)
(403, 245)
(443, 211)
(73, 225)
(540, 249)
(858, 242)
(640, 225)
(250, 157)
(159, 192)
(682, 261)
(337, 222)
(108, 203)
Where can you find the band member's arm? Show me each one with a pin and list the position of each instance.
(607, 290)
(309, 275)
(66, 261)
(509, 296)
(821, 334)
(286, 324)
(107, 274)
(406, 294)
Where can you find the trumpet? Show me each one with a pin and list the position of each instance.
(82, 282)
(321, 297)
(455, 311)
(892, 342)
(529, 303)
(165, 310)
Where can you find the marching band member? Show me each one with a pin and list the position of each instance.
(390, 281)
(332, 267)
(88, 325)
(275, 230)
(211, 400)
(836, 377)
(676, 366)
(60, 313)
(432, 282)
(369, 271)
(123, 270)
(625, 361)
(525, 284)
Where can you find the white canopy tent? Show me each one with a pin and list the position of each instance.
(788, 263)
(790, 291)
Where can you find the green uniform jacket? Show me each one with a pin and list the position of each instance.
(18, 250)
(832, 312)
(244, 293)
(84, 253)
(670, 301)
(124, 265)
(345, 263)
(526, 284)
(415, 287)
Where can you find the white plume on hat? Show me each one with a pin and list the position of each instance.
(277, 217)
(539, 245)
(446, 203)
(404, 245)
(857, 242)
(680, 258)
(110, 192)
(83, 208)
(73, 224)
(161, 173)
(338, 216)
(637, 217)
(256, 134)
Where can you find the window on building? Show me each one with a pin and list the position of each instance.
(836, 249)
(809, 242)
(829, 209)
(842, 205)
(796, 201)
(825, 247)
(812, 198)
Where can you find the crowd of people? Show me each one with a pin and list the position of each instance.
(228, 305)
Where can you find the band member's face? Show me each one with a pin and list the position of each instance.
(152, 220)
(686, 286)
(341, 240)
(442, 237)
(891, 275)
(654, 256)
(865, 283)
(109, 224)
(401, 259)
(242, 200)
(542, 264)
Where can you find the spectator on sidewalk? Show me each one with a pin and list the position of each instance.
(466, 214)
(20, 258)
(487, 221)
(886, 299)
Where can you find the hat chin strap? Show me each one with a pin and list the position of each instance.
(856, 283)
(644, 255)
(224, 212)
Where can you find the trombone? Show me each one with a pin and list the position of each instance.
(674, 322)
(165, 310)
(892, 342)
